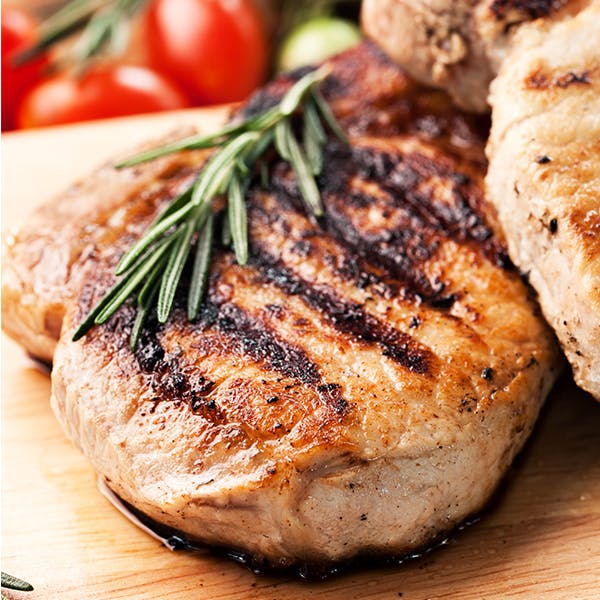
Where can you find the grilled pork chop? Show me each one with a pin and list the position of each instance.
(544, 150)
(544, 176)
(358, 388)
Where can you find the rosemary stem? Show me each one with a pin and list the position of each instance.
(153, 267)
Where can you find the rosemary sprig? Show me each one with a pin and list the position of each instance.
(14, 583)
(102, 23)
(108, 27)
(151, 269)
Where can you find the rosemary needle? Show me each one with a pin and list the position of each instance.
(152, 268)
(200, 270)
(14, 583)
(238, 224)
(175, 264)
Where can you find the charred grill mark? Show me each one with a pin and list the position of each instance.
(177, 382)
(426, 219)
(345, 262)
(534, 9)
(389, 260)
(395, 251)
(199, 403)
(347, 317)
(571, 77)
(368, 260)
(331, 395)
(355, 270)
(276, 311)
(171, 382)
(422, 221)
(165, 376)
(398, 263)
(360, 254)
(249, 336)
(401, 175)
(541, 81)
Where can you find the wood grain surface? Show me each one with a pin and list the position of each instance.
(539, 539)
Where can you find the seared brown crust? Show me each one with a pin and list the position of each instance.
(360, 386)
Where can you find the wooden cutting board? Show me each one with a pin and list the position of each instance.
(539, 539)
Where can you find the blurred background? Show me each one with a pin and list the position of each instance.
(81, 60)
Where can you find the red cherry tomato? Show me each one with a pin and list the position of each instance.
(19, 30)
(102, 92)
(216, 50)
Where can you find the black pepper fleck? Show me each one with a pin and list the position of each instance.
(487, 373)
(272, 399)
(553, 225)
(542, 160)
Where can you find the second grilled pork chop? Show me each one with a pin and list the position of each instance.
(359, 388)
(544, 176)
